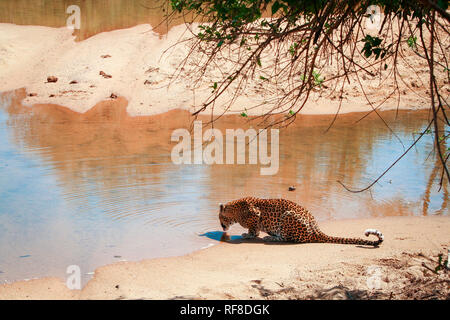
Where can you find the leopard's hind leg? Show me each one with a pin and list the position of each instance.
(249, 235)
(276, 238)
(278, 234)
(295, 227)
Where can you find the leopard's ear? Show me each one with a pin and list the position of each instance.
(221, 207)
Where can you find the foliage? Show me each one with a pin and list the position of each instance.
(302, 33)
(442, 264)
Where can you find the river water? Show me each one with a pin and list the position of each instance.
(95, 15)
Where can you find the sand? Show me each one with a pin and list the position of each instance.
(140, 65)
(252, 269)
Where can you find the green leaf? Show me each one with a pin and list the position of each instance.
(243, 114)
(293, 48)
(443, 4)
(412, 42)
(318, 80)
(214, 86)
(275, 7)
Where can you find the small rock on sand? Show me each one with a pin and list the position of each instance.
(73, 82)
(52, 79)
(105, 75)
(105, 56)
(113, 96)
(291, 188)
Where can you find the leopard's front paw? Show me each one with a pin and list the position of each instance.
(248, 236)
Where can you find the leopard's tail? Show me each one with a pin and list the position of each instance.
(330, 239)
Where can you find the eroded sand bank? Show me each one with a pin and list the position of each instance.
(256, 270)
(140, 65)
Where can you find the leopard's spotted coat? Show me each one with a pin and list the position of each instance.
(283, 220)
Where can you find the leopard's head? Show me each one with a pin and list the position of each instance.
(225, 216)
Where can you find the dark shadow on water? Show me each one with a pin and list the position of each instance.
(220, 236)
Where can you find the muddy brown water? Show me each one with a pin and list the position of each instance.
(95, 188)
(96, 15)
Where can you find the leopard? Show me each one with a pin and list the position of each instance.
(284, 221)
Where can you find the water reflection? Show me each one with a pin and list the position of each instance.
(96, 15)
(87, 188)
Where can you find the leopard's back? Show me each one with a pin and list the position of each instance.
(276, 213)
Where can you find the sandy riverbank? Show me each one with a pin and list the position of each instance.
(254, 270)
(140, 65)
